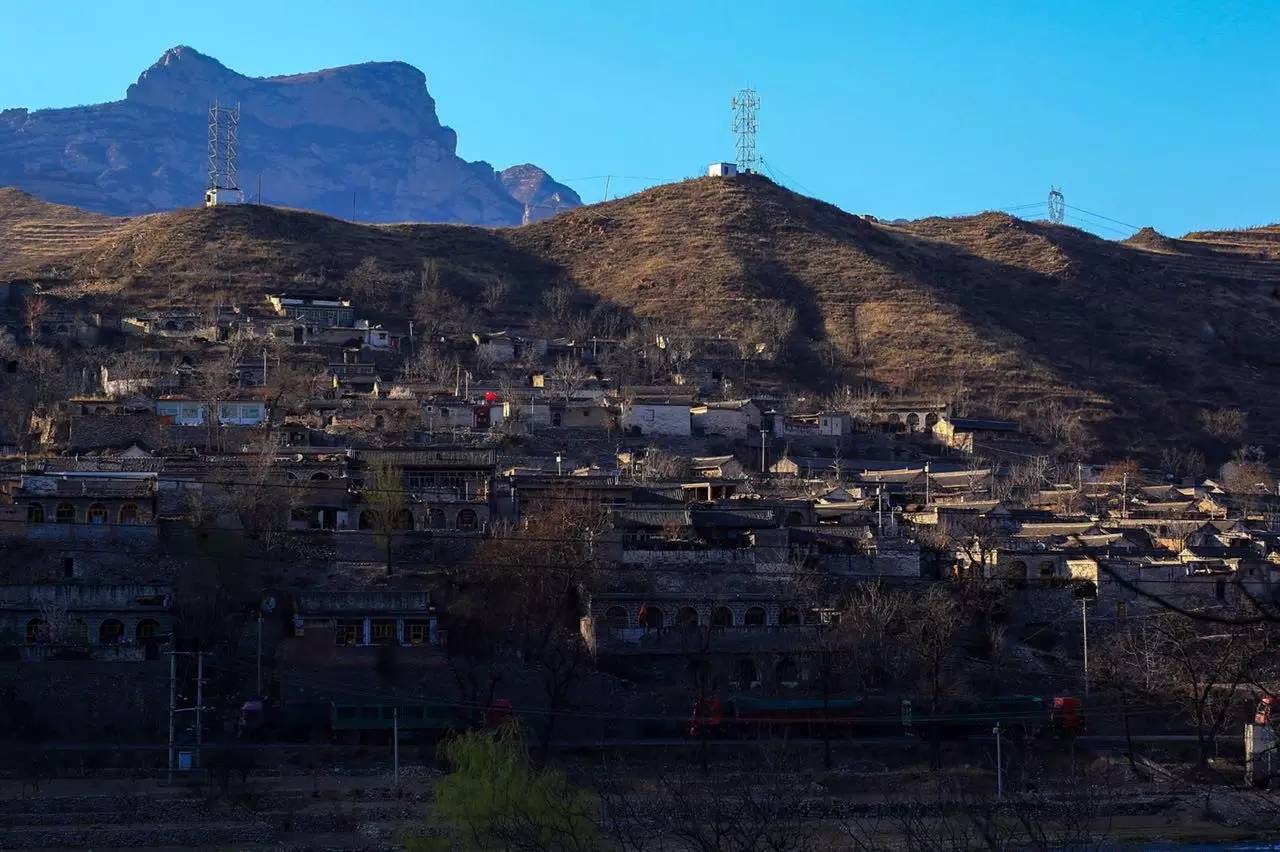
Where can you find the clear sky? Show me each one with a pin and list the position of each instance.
(1160, 113)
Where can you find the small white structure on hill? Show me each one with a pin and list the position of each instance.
(722, 170)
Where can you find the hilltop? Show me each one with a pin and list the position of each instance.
(1037, 320)
(362, 140)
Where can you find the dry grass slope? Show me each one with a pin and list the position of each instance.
(1137, 336)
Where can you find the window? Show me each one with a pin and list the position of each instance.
(129, 513)
(688, 616)
(66, 513)
(384, 631)
(1047, 571)
(35, 514)
(1220, 589)
(789, 615)
(1122, 610)
(744, 673)
(319, 476)
(404, 520)
(755, 617)
(68, 567)
(79, 632)
(417, 632)
(436, 519)
(37, 631)
(97, 514)
(148, 629)
(467, 520)
(722, 616)
(111, 632)
(349, 633)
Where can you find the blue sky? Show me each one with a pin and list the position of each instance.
(1159, 113)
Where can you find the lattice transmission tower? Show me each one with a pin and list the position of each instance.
(224, 140)
(745, 105)
(1057, 206)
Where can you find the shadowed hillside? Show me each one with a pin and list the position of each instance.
(1028, 318)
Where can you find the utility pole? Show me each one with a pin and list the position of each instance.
(999, 766)
(762, 464)
(926, 485)
(395, 745)
(1124, 498)
(1084, 626)
(199, 705)
(173, 674)
(258, 694)
(880, 508)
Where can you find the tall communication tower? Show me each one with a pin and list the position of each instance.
(745, 105)
(1057, 206)
(224, 138)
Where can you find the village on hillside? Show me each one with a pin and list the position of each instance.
(363, 512)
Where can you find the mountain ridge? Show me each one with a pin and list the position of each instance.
(361, 140)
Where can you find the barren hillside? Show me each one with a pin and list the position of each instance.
(1021, 316)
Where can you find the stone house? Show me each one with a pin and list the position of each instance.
(965, 434)
(121, 622)
(735, 418)
(316, 310)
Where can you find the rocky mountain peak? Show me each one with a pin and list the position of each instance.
(317, 139)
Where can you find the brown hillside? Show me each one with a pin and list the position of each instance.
(1135, 336)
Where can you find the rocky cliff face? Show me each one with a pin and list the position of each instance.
(365, 134)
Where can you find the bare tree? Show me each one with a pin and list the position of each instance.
(495, 292)
(570, 376)
(1200, 667)
(1227, 425)
(936, 617)
(558, 302)
(530, 579)
(34, 309)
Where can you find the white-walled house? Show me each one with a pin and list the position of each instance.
(658, 417)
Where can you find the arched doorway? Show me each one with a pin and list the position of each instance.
(651, 617)
(110, 632)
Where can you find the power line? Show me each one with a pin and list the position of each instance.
(1100, 216)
